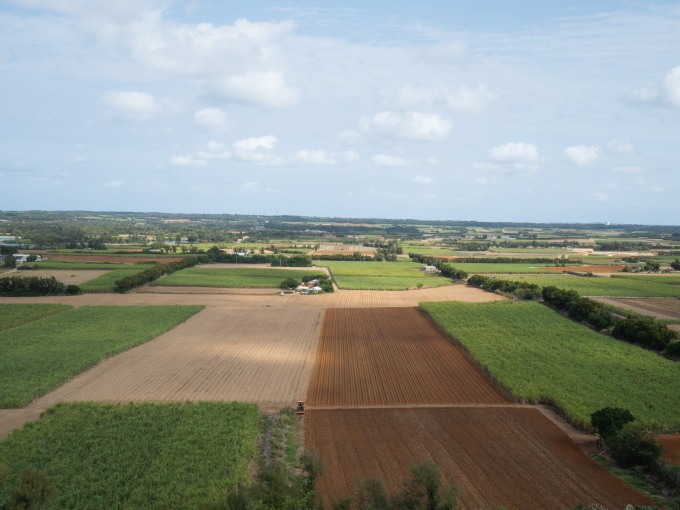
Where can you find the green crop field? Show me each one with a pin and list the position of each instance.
(76, 265)
(541, 356)
(486, 268)
(13, 315)
(599, 286)
(246, 277)
(381, 275)
(669, 279)
(107, 282)
(40, 355)
(137, 456)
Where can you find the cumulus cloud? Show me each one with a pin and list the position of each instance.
(462, 99)
(256, 149)
(582, 155)
(186, 161)
(131, 104)
(264, 88)
(514, 152)
(210, 118)
(410, 125)
(422, 179)
(671, 87)
(466, 99)
(317, 157)
(388, 160)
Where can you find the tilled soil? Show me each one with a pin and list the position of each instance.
(514, 457)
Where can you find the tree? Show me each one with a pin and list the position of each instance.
(608, 421)
(10, 261)
(675, 265)
(288, 284)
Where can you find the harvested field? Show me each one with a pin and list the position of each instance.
(249, 298)
(221, 354)
(513, 457)
(671, 447)
(661, 308)
(66, 277)
(392, 356)
(581, 269)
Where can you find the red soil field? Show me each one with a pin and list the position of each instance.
(507, 456)
(671, 447)
(392, 356)
(591, 269)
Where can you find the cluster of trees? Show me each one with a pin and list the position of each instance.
(518, 289)
(153, 273)
(632, 448)
(323, 280)
(675, 265)
(644, 331)
(354, 256)
(35, 286)
(445, 269)
(294, 261)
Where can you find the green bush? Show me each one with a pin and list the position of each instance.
(610, 420)
(644, 331)
(632, 447)
(673, 349)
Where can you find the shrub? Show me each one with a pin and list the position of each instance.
(610, 420)
(673, 349)
(644, 331)
(632, 447)
(288, 283)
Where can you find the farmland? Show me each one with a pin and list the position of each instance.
(142, 456)
(12, 315)
(78, 265)
(233, 277)
(107, 281)
(392, 356)
(381, 275)
(598, 286)
(40, 355)
(509, 457)
(541, 356)
(485, 268)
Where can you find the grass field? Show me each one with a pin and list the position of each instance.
(107, 282)
(669, 279)
(541, 356)
(40, 355)
(13, 315)
(141, 456)
(486, 268)
(610, 287)
(247, 277)
(381, 275)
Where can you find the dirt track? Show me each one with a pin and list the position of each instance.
(221, 354)
(392, 356)
(496, 456)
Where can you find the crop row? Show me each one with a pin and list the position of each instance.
(137, 456)
(42, 354)
(541, 356)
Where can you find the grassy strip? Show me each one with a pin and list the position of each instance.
(541, 356)
(253, 277)
(107, 282)
(13, 315)
(41, 355)
(668, 279)
(597, 286)
(137, 456)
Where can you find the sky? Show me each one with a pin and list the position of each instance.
(496, 110)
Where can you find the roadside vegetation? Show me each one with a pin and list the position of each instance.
(135, 456)
(542, 357)
(40, 355)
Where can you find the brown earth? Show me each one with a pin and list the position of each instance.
(392, 356)
(495, 456)
(671, 447)
(591, 269)
(65, 276)
(220, 354)
(246, 298)
(661, 308)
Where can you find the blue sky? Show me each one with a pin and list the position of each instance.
(497, 111)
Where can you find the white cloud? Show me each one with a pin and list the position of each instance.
(410, 125)
(351, 156)
(254, 149)
(388, 160)
(317, 157)
(582, 154)
(671, 87)
(214, 150)
(132, 104)
(210, 118)
(422, 179)
(263, 88)
(114, 184)
(514, 152)
(470, 100)
(186, 161)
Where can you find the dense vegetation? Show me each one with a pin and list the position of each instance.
(129, 282)
(34, 286)
(41, 355)
(541, 356)
(245, 277)
(381, 275)
(136, 456)
(622, 287)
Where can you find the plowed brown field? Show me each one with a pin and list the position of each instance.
(661, 308)
(262, 355)
(72, 277)
(496, 456)
(671, 447)
(392, 356)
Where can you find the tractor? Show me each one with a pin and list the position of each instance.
(300, 409)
